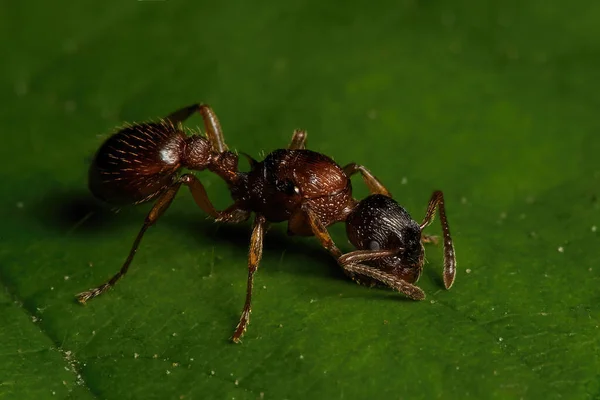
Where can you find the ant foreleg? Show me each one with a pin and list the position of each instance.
(254, 256)
(437, 201)
(350, 261)
(211, 123)
(298, 140)
(374, 184)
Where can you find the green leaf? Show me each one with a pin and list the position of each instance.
(494, 103)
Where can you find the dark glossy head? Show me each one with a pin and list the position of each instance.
(379, 223)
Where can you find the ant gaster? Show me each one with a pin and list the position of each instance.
(141, 162)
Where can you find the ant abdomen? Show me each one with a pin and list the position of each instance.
(137, 163)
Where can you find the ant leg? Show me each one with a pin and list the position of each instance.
(437, 201)
(425, 238)
(157, 210)
(211, 123)
(298, 140)
(374, 184)
(254, 256)
(232, 214)
(349, 262)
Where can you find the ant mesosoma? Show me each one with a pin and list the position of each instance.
(140, 163)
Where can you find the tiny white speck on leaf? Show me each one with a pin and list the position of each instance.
(404, 180)
(594, 228)
(51, 287)
(301, 357)
(155, 356)
(432, 301)
(174, 333)
(500, 339)
(561, 249)
(168, 372)
(66, 277)
(468, 270)
(237, 382)
(21, 88)
(135, 355)
(70, 106)
(212, 372)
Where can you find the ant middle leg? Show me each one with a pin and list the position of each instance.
(350, 262)
(231, 214)
(375, 186)
(298, 140)
(211, 123)
(437, 201)
(254, 256)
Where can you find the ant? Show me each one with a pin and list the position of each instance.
(140, 163)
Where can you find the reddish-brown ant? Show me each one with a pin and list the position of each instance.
(308, 189)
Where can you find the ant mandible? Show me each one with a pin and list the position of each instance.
(141, 162)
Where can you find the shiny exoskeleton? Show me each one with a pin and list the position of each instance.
(141, 162)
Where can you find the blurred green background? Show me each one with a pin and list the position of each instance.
(496, 103)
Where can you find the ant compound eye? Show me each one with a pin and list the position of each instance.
(374, 245)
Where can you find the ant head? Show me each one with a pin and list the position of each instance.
(378, 222)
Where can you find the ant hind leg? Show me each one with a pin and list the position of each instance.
(161, 205)
(211, 123)
(298, 140)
